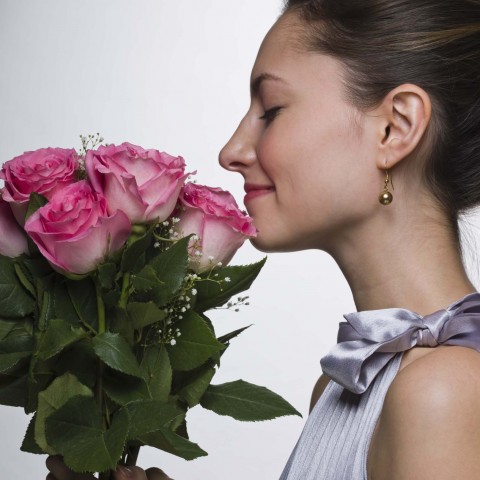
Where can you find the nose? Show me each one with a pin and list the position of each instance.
(239, 152)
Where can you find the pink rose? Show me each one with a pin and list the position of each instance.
(13, 241)
(44, 171)
(74, 231)
(213, 215)
(145, 184)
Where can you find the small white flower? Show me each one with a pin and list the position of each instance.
(171, 230)
(187, 305)
(180, 317)
(194, 237)
(173, 341)
(187, 298)
(156, 244)
(165, 223)
(219, 264)
(178, 334)
(227, 279)
(180, 297)
(194, 291)
(175, 219)
(169, 322)
(184, 309)
(210, 258)
(198, 253)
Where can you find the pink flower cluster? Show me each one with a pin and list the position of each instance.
(86, 221)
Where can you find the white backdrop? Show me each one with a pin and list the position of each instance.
(173, 76)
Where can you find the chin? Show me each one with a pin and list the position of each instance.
(273, 246)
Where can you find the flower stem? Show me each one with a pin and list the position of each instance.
(132, 456)
(125, 291)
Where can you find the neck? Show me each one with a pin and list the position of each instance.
(405, 261)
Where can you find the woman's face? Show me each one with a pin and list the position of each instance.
(300, 138)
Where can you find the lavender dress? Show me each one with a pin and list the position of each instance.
(336, 437)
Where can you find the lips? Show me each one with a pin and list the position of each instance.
(254, 191)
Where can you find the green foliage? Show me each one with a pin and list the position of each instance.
(144, 314)
(157, 372)
(36, 201)
(114, 351)
(76, 432)
(246, 402)
(213, 294)
(15, 300)
(195, 345)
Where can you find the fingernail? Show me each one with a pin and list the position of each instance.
(125, 471)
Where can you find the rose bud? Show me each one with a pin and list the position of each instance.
(13, 241)
(44, 171)
(145, 184)
(74, 231)
(213, 215)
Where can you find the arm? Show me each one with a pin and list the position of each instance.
(430, 423)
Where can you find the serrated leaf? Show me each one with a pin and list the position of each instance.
(146, 280)
(84, 300)
(59, 335)
(9, 360)
(29, 445)
(171, 266)
(6, 326)
(13, 390)
(106, 274)
(195, 345)
(81, 361)
(151, 415)
(15, 301)
(169, 441)
(144, 314)
(157, 372)
(194, 390)
(227, 337)
(60, 391)
(75, 431)
(246, 402)
(134, 250)
(115, 352)
(124, 389)
(210, 294)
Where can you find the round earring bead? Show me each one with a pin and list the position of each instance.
(385, 198)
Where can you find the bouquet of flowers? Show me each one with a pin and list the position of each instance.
(109, 261)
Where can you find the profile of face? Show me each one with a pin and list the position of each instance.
(303, 140)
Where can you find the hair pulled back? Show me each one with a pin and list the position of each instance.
(434, 44)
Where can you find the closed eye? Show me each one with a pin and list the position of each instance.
(269, 115)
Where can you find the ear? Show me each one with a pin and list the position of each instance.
(405, 114)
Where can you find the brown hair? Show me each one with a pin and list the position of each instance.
(434, 44)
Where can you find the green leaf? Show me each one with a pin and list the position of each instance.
(151, 415)
(9, 360)
(59, 334)
(171, 442)
(13, 390)
(246, 402)
(15, 301)
(124, 389)
(63, 305)
(23, 274)
(171, 266)
(75, 431)
(115, 352)
(210, 294)
(18, 345)
(106, 275)
(29, 445)
(41, 375)
(195, 345)
(134, 250)
(6, 326)
(84, 300)
(194, 390)
(120, 322)
(157, 372)
(80, 360)
(36, 201)
(60, 391)
(147, 280)
(226, 338)
(144, 314)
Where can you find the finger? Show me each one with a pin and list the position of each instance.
(129, 473)
(59, 471)
(157, 474)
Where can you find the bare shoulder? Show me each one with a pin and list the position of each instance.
(318, 389)
(430, 422)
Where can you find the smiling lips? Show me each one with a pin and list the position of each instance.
(256, 190)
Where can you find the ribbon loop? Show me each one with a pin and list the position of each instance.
(368, 340)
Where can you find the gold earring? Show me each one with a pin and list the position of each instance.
(386, 197)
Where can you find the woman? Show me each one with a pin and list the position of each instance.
(348, 99)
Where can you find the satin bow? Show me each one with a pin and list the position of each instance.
(370, 338)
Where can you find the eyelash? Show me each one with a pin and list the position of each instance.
(269, 115)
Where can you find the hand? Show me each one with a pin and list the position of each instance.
(59, 471)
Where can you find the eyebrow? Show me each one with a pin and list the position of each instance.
(255, 85)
